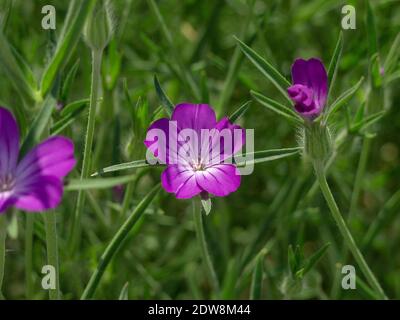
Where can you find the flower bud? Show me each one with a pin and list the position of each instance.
(99, 26)
(317, 141)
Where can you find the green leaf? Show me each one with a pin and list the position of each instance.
(122, 166)
(237, 114)
(371, 30)
(15, 73)
(277, 107)
(38, 126)
(73, 106)
(367, 122)
(393, 56)
(257, 279)
(116, 242)
(311, 261)
(280, 82)
(69, 115)
(344, 98)
(112, 65)
(268, 155)
(165, 101)
(292, 261)
(69, 79)
(97, 183)
(67, 43)
(124, 292)
(334, 64)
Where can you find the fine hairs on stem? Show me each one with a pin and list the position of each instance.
(351, 244)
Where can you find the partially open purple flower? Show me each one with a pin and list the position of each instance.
(35, 182)
(310, 87)
(195, 151)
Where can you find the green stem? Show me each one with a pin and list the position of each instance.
(28, 254)
(87, 154)
(201, 238)
(3, 234)
(362, 165)
(348, 238)
(115, 244)
(52, 250)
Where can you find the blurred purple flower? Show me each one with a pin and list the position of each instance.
(118, 192)
(310, 87)
(35, 182)
(199, 166)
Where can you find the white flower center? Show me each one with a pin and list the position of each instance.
(7, 183)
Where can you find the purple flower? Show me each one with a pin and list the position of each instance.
(35, 182)
(310, 87)
(197, 150)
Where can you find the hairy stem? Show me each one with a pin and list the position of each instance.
(87, 153)
(52, 250)
(198, 223)
(348, 238)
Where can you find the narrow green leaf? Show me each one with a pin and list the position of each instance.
(73, 106)
(277, 107)
(97, 183)
(393, 56)
(66, 45)
(367, 121)
(39, 125)
(311, 261)
(371, 30)
(165, 101)
(334, 64)
(122, 166)
(116, 242)
(14, 71)
(344, 98)
(280, 82)
(69, 79)
(67, 119)
(124, 292)
(238, 113)
(268, 155)
(257, 279)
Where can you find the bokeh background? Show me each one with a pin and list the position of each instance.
(273, 209)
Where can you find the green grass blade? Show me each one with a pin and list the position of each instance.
(277, 107)
(14, 72)
(116, 242)
(240, 112)
(393, 56)
(165, 101)
(257, 279)
(97, 183)
(39, 125)
(334, 64)
(122, 166)
(66, 45)
(344, 98)
(280, 82)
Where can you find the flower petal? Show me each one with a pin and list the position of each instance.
(194, 116)
(219, 180)
(312, 74)
(53, 157)
(238, 138)
(9, 142)
(39, 194)
(6, 200)
(188, 189)
(173, 176)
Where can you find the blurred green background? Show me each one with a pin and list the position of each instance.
(161, 259)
